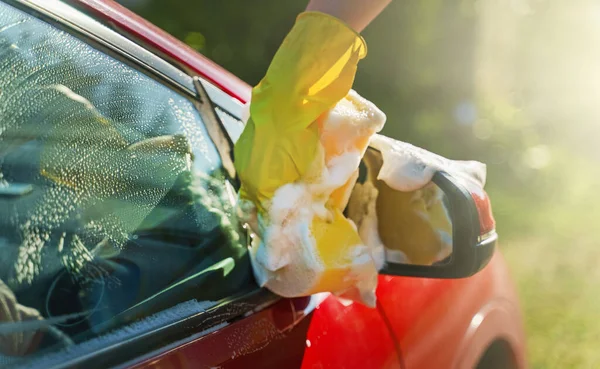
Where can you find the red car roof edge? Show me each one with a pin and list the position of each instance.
(169, 45)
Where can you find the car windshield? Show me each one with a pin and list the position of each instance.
(113, 202)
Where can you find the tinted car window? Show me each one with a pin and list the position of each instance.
(113, 202)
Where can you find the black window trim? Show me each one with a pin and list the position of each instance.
(155, 342)
(227, 310)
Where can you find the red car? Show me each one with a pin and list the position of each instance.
(120, 246)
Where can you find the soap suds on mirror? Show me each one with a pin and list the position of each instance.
(409, 168)
(400, 207)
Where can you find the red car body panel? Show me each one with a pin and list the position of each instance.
(487, 223)
(419, 323)
(330, 334)
(438, 322)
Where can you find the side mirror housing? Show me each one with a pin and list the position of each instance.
(473, 241)
(445, 230)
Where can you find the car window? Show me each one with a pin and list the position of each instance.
(113, 202)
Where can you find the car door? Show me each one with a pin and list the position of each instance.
(120, 245)
(320, 332)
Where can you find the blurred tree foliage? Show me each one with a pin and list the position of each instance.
(418, 69)
(423, 70)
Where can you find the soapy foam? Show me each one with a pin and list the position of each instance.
(349, 124)
(287, 260)
(338, 171)
(408, 168)
(288, 237)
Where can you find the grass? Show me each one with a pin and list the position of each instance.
(557, 273)
(552, 248)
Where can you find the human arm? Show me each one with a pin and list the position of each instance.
(356, 13)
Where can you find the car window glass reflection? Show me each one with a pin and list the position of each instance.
(112, 196)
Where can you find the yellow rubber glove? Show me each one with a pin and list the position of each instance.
(313, 69)
(297, 160)
(308, 245)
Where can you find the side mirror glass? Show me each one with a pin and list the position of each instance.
(443, 230)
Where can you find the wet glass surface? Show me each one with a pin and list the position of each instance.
(113, 202)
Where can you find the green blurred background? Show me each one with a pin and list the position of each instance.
(512, 83)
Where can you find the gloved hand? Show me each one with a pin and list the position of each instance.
(297, 160)
(313, 69)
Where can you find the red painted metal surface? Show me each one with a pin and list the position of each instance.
(484, 209)
(435, 323)
(348, 335)
(330, 335)
(432, 318)
(257, 341)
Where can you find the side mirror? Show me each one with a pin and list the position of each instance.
(444, 230)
